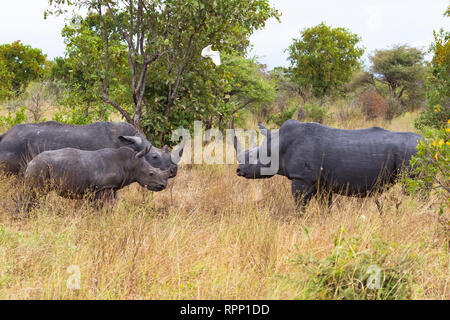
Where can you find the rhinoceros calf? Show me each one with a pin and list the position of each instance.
(317, 158)
(75, 173)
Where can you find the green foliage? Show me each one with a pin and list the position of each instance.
(350, 272)
(9, 121)
(437, 112)
(324, 58)
(431, 165)
(315, 112)
(282, 116)
(21, 64)
(401, 69)
(181, 85)
(210, 94)
(432, 161)
(80, 116)
(5, 81)
(286, 100)
(433, 116)
(82, 80)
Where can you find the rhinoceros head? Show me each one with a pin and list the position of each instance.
(256, 162)
(148, 176)
(158, 158)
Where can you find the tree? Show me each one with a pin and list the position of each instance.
(5, 81)
(21, 64)
(401, 69)
(437, 111)
(81, 79)
(209, 93)
(172, 33)
(324, 58)
(431, 164)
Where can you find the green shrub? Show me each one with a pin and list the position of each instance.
(433, 116)
(281, 117)
(352, 272)
(315, 112)
(10, 120)
(431, 165)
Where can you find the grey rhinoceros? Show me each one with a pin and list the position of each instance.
(75, 173)
(317, 158)
(23, 142)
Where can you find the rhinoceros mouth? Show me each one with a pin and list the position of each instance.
(155, 188)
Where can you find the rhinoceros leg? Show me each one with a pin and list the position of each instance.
(10, 163)
(105, 196)
(302, 193)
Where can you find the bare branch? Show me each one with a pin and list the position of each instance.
(105, 83)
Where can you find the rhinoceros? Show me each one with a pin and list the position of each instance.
(317, 159)
(75, 173)
(23, 142)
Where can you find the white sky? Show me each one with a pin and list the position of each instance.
(380, 23)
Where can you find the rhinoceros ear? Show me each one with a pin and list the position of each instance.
(144, 152)
(263, 129)
(131, 140)
(166, 148)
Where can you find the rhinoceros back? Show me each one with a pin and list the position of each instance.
(23, 142)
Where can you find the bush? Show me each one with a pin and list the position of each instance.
(281, 117)
(351, 272)
(373, 105)
(431, 165)
(315, 112)
(10, 121)
(395, 108)
(433, 116)
(74, 116)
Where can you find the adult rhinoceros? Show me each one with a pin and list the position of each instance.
(23, 142)
(318, 158)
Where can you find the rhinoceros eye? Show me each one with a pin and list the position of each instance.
(154, 156)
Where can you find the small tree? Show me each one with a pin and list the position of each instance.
(22, 64)
(166, 37)
(401, 69)
(324, 58)
(37, 95)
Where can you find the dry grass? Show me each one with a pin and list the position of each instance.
(212, 235)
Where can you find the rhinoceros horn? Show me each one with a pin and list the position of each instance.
(178, 153)
(236, 142)
(263, 129)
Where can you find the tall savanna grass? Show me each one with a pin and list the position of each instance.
(213, 235)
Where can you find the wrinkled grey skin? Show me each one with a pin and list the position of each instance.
(347, 162)
(23, 142)
(75, 173)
